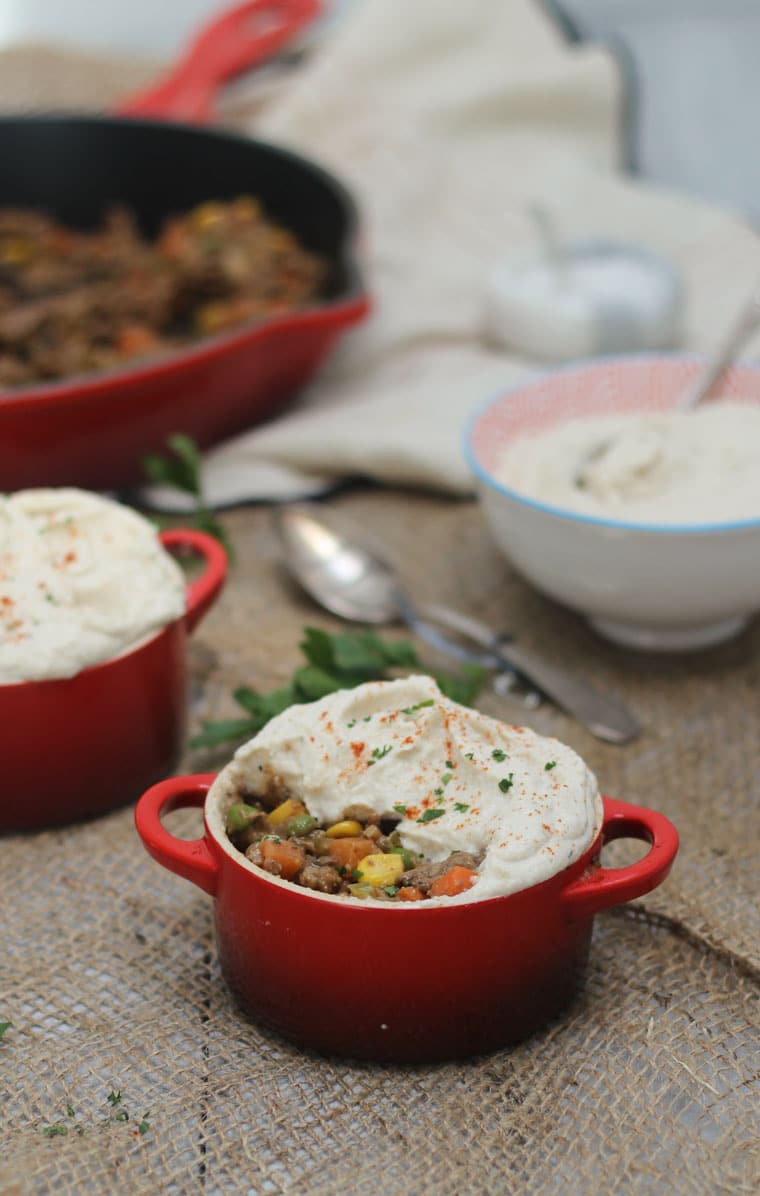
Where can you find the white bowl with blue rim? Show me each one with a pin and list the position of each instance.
(645, 585)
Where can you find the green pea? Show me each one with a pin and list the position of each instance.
(302, 824)
(239, 817)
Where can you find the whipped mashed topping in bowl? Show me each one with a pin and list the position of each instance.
(455, 779)
(644, 518)
(82, 579)
(658, 467)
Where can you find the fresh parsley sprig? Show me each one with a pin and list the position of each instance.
(181, 470)
(332, 662)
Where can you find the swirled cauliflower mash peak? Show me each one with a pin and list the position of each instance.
(82, 578)
(453, 779)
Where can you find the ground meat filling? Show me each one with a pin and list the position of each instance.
(74, 301)
(359, 856)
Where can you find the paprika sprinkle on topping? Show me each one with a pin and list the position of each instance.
(88, 579)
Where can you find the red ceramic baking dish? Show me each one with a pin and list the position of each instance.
(400, 982)
(82, 745)
(93, 430)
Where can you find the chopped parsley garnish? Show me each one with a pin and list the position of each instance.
(550, 764)
(391, 890)
(412, 710)
(499, 755)
(506, 783)
(449, 763)
(351, 724)
(446, 778)
(51, 1131)
(379, 753)
(438, 792)
(114, 1098)
(144, 1125)
(122, 1115)
(367, 718)
(69, 1111)
(4, 1026)
(400, 810)
(461, 807)
(469, 755)
(430, 815)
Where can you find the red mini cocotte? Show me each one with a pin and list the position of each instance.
(79, 746)
(402, 981)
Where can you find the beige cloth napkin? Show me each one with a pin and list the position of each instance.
(447, 120)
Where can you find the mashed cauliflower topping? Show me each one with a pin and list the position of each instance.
(82, 579)
(676, 467)
(458, 780)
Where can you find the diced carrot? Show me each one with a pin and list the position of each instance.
(173, 240)
(134, 339)
(348, 852)
(409, 893)
(61, 240)
(456, 880)
(290, 857)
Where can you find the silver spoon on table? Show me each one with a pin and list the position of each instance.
(356, 585)
(747, 322)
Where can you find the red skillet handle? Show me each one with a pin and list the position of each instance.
(189, 858)
(240, 38)
(203, 592)
(612, 886)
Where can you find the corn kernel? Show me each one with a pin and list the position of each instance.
(287, 809)
(206, 215)
(344, 830)
(211, 317)
(379, 869)
(17, 251)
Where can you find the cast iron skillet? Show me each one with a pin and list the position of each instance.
(94, 430)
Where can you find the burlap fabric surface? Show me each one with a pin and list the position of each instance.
(648, 1083)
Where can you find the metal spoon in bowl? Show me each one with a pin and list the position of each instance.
(747, 322)
(357, 585)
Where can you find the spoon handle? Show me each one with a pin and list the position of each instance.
(479, 654)
(606, 717)
(747, 322)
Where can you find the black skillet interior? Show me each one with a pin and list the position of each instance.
(74, 168)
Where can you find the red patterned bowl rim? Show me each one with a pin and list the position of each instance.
(544, 399)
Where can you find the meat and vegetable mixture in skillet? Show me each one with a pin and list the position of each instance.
(358, 856)
(72, 302)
